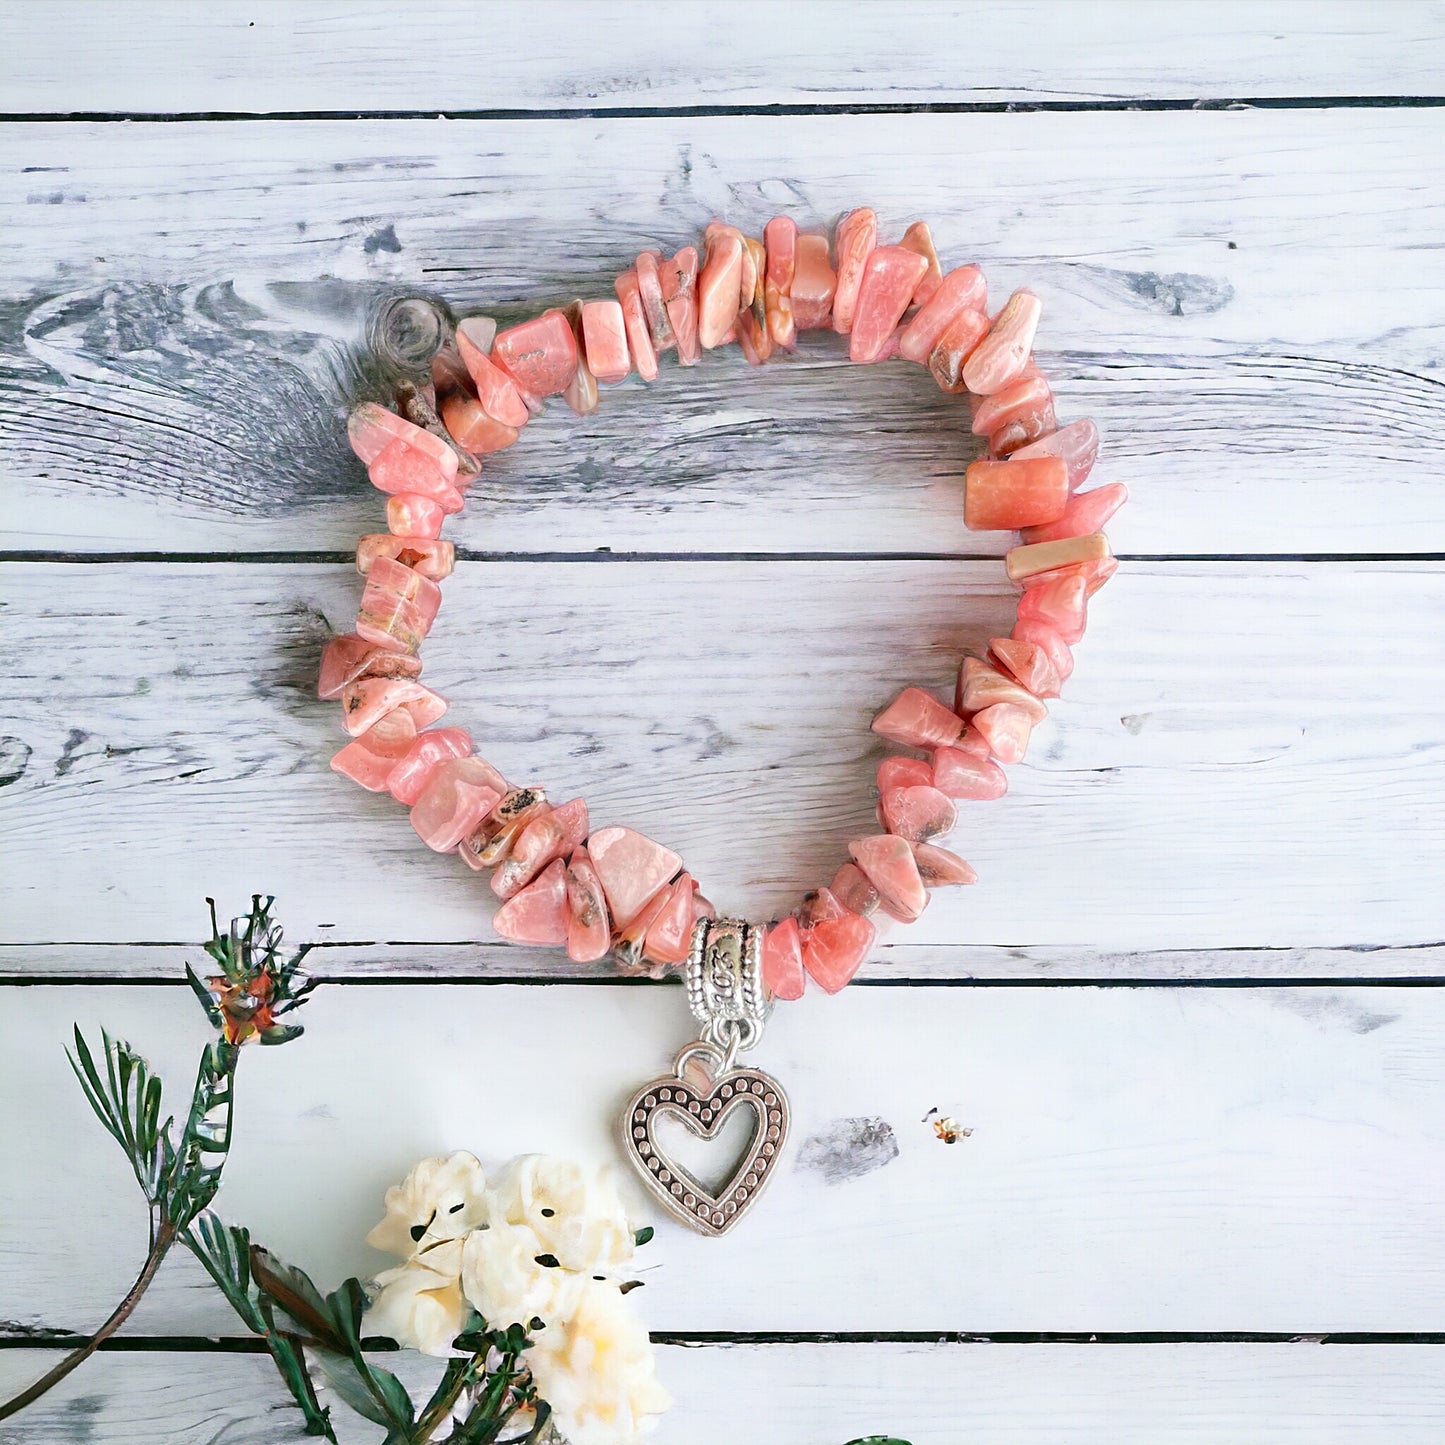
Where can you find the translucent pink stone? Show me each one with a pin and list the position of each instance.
(850, 886)
(940, 868)
(959, 774)
(917, 719)
(819, 904)
(628, 943)
(918, 813)
(1034, 559)
(367, 700)
(953, 348)
(453, 800)
(783, 974)
(634, 321)
(754, 340)
(972, 740)
(1003, 496)
(604, 340)
(401, 469)
(535, 846)
(538, 914)
(1004, 352)
(890, 275)
(1019, 414)
(814, 283)
(960, 291)
(1006, 729)
(920, 239)
(581, 392)
(1077, 444)
(1046, 636)
(348, 657)
(898, 772)
(654, 304)
(369, 758)
(407, 779)
(409, 515)
(589, 925)
(496, 391)
(426, 556)
(398, 606)
(834, 950)
(472, 428)
(780, 237)
(670, 933)
(679, 294)
(1061, 603)
(888, 862)
(719, 285)
(853, 241)
(1087, 512)
(540, 355)
(373, 430)
(632, 868)
(1028, 663)
(982, 685)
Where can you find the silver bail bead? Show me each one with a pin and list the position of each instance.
(725, 982)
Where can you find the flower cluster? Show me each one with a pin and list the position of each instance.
(544, 1246)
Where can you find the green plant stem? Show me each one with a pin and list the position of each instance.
(436, 1413)
(165, 1236)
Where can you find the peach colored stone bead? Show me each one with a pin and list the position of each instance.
(453, 800)
(632, 868)
(780, 238)
(628, 943)
(920, 239)
(1028, 663)
(719, 285)
(819, 904)
(1019, 414)
(783, 974)
(1094, 574)
(538, 914)
(369, 758)
(1077, 444)
(1004, 353)
(917, 719)
(539, 356)
(814, 283)
(961, 291)
(654, 303)
(373, 430)
(589, 925)
(903, 773)
(850, 886)
(1006, 729)
(834, 950)
(407, 779)
(548, 835)
(1044, 635)
(634, 321)
(1003, 496)
(755, 264)
(1036, 557)
(398, 606)
(469, 423)
(426, 556)
(1086, 512)
(853, 241)
(604, 340)
(581, 392)
(940, 868)
(496, 391)
(402, 468)
(1062, 603)
(409, 515)
(918, 814)
(367, 700)
(890, 275)
(982, 685)
(958, 774)
(670, 933)
(754, 340)
(888, 863)
(953, 348)
(679, 294)
(348, 657)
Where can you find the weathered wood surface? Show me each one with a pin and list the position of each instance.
(1141, 1159)
(187, 309)
(452, 55)
(1247, 755)
(822, 1394)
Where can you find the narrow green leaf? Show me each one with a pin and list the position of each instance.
(349, 1382)
(291, 1289)
(198, 987)
(643, 1235)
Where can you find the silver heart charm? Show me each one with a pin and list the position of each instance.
(702, 1097)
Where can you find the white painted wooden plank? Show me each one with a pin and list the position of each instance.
(826, 1394)
(1141, 1159)
(452, 55)
(1226, 770)
(179, 385)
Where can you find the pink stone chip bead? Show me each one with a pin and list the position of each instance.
(953, 348)
(1061, 603)
(917, 719)
(981, 685)
(497, 393)
(850, 886)
(632, 868)
(629, 943)
(369, 758)
(539, 356)
(654, 303)
(539, 913)
(604, 339)
(1028, 663)
(367, 700)
(959, 775)
(890, 275)
(719, 285)
(669, 935)
(373, 431)
(1077, 444)
(1019, 414)
(814, 283)
(918, 813)
(679, 295)
(1045, 635)
(589, 924)
(454, 799)
(1086, 512)
(834, 950)
(940, 868)
(409, 515)
(961, 291)
(426, 556)
(1035, 558)
(348, 657)
(1004, 353)
(1004, 496)
(398, 606)
(853, 242)
(903, 773)
(634, 320)
(550, 834)
(407, 779)
(780, 238)
(1006, 729)
(783, 973)
(920, 239)
(890, 867)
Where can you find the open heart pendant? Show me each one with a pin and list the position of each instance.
(702, 1091)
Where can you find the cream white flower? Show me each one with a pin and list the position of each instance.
(440, 1201)
(420, 1308)
(501, 1276)
(576, 1216)
(596, 1370)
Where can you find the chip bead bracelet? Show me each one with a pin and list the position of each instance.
(614, 890)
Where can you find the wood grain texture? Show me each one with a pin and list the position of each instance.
(1217, 777)
(1301, 1394)
(187, 309)
(1141, 1159)
(154, 57)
